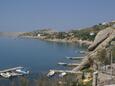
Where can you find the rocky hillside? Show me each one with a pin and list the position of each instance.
(99, 56)
(88, 33)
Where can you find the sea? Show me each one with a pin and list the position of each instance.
(36, 55)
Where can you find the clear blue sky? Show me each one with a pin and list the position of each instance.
(28, 15)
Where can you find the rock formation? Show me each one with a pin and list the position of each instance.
(101, 42)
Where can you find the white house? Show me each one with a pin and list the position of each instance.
(92, 33)
(39, 35)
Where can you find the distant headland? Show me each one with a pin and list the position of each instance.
(83, 35)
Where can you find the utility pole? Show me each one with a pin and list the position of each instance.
(95, 78)
(111, 61)
(111, 45)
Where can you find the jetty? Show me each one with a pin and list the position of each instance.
(75, 58)
(68, 64)
(10, 69)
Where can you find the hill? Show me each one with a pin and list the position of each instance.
(85, 35)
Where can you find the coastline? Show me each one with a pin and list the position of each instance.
(74, 40)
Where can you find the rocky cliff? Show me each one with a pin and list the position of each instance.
(101, 43)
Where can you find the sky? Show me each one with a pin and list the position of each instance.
(62, 15)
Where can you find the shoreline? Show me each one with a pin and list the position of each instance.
(81, 42)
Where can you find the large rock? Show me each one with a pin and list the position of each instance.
(103, 38)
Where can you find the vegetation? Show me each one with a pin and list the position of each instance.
(83, 34)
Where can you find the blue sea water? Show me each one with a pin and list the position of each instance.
(34, 54)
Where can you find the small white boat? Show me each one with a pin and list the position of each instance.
(51, 73)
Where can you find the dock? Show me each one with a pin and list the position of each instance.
(11, 72)
(75, 58)
(68, 64)
(10, 69)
